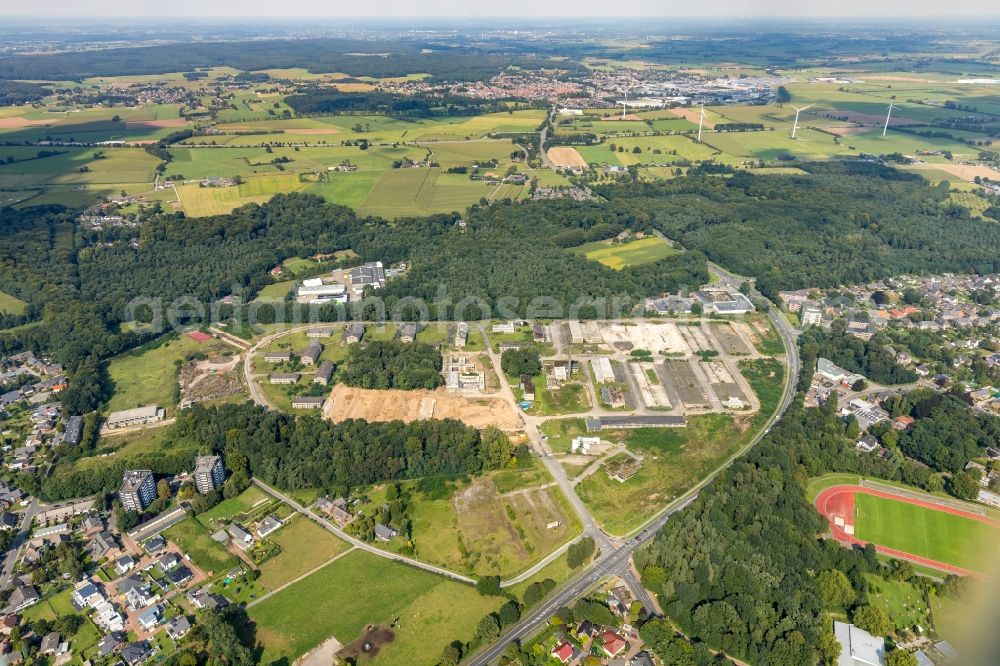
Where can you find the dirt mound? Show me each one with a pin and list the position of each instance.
(368, 645)
(346, 402)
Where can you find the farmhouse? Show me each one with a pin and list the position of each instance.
(277, 357)
(135, 417)
(284, 378)
(307, 402)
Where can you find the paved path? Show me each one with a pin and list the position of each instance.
(298, 578)
(358, 543)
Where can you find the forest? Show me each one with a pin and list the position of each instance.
(390, 364)
(348, 56)
(326, 101)
(303, 452)
(871, 358)
(841, 223)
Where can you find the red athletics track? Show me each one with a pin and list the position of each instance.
(838, 501)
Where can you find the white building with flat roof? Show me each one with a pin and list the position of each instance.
(134, 417)
(858, 647)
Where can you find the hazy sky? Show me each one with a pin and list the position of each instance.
(470, 8)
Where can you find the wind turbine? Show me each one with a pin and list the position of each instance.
(701, 121)
(795, 126)
(623, 110)
(886, 128)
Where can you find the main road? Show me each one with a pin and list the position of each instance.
(615, 556)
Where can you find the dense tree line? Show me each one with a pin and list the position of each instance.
(352, 57)
(390, 364)
(307, 452)
(326, 101)
(21, 92)
(842, 223)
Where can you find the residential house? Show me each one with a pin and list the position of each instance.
(150, 618)
(107, 616)
(154, 545)
(203, 599)
(87, 594)
(563, 651)
(22, 597)
(111, 643)
(268, 525)
(101, 544)
(178, 627)
(9, 521)
(353, 333)
(867, 444)
(277, 357)
(611, 643)
(50, 643)
(324, 373)
(168, 562)
(124, 564)
(408, 332)
(136, 653)
(179, 576)
(92, 525)
(385, 533)
(307, 402)
(284, 378)
(310, 355)
(241, 538)
(527, 387)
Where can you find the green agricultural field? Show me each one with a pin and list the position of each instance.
(620, 255)
(271, 185)
(432, 610)
(304, 546)
(672, 149)
(149, 377)
(924, 532)
(194, 540)
(403, 192)
(11, 304)
(203, 201)
(348, 189)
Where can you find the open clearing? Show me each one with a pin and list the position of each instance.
(149, 377)
(361, 589)
(566, 156)
(346, 402)
(304, 546)
(620, 255)
(11, 304)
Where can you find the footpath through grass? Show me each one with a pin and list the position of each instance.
(359, 589)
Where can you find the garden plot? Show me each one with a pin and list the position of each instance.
(682, 377)
(657, 338)
(695, 338)
(729, 338)
(652, 393)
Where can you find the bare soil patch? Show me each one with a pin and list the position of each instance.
(693, 115)
(17, 122)
(346, 402)
(965, 171)
(163, 122)
(566, 156)
(368, 645)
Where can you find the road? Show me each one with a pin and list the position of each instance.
(616, 559)
(28, 517)
(614, 562)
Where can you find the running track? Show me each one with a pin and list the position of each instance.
(839, 500)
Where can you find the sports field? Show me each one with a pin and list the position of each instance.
(922, 531)
(621, 255)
